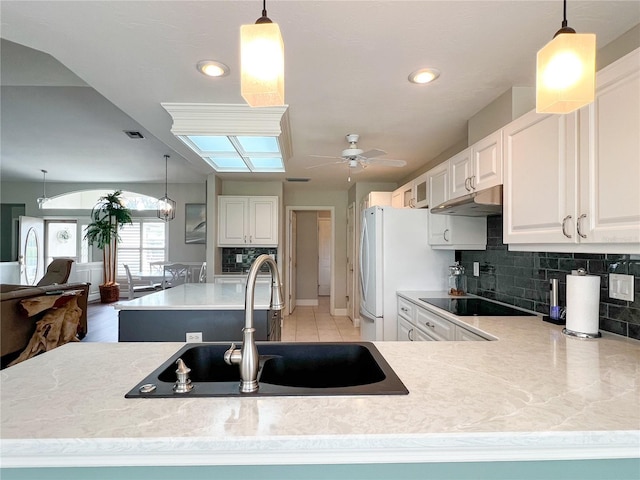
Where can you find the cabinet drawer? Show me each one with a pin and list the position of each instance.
(434, 325)
(406, 309)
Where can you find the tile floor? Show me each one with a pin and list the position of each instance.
(315, 324)
(306, 324)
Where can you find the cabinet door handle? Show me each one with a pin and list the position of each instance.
(444, 235)
(467, 181)
(250, 239)
(564, 226)
(404, 309)
(412, 203)
(409, 336)
(429, 324)
(245, 239)
(584, 215)
(472, 181)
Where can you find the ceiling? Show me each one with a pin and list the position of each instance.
(76, 74)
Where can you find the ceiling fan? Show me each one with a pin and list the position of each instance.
(356, 159)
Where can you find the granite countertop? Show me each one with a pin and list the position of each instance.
(532, 394)
(200, 296)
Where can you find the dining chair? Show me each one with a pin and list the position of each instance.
(137, 286)
(202, 277)
(175, 274)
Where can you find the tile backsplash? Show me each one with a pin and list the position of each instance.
(230, 257)
(522, 278)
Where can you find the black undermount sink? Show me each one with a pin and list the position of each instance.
(293, 369)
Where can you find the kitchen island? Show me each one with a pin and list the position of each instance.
(558, 405)
(215, 311)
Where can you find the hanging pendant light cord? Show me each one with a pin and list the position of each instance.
(564, 14)
(166, 175)
(44, 183)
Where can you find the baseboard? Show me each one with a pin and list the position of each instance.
(307, 303)
(342, 312)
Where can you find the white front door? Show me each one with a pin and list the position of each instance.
(31, 250)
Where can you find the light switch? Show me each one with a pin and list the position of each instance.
(238, 258)
(476, 269)
(621, 286)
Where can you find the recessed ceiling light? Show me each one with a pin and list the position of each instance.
(211, 68)
(424, 75)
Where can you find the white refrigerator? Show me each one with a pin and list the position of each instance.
(395, 255)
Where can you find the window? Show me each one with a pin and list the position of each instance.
(61, 239)
(140, 244)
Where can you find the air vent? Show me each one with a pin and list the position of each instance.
(133, 134)
(302, 180)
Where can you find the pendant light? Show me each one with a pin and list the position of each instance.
(262, 62)
(566, 70)
(43, 199)
(166, 206)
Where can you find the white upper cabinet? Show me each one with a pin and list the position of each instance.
(572, 182)
(477, 167)
(247, 221)
(402, 197)
(413, 194)
(539, 157)
(460, 172)
(610, 157)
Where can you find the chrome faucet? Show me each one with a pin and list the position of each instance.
(248, 357)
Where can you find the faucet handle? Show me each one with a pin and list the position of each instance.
(233, 355)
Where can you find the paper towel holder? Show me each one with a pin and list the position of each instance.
(571, 333)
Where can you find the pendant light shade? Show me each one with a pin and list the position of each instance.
(566, 70)
(43, 199)
(262, 63)
(166, 206)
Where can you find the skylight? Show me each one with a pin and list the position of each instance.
(234, 138)
(237, 154)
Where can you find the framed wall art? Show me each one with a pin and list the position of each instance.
(195, 224)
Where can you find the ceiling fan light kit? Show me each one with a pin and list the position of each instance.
(566, 70)
(357, 160)
(262, 62)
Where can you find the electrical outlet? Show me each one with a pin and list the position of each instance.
(238, 258)
(621, 286)
(476, 269)
(194, 337)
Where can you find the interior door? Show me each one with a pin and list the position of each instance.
(31, 250)
(292, 267)
(324, 256)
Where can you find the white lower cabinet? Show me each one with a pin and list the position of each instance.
(418, 324)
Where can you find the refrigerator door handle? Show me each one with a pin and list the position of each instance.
(363, 257)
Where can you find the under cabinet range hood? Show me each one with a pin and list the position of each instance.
(477, 204)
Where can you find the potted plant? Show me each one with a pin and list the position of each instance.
(108, 216)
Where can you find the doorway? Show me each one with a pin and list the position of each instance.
(310, 256)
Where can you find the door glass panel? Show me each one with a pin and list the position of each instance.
(61, 240)
(31, 256)
(421, 192)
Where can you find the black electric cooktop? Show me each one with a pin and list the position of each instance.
(466, 307)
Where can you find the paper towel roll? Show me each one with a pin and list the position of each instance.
(583, 303)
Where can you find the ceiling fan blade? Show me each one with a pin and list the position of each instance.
(324, 164)
(326, 156)
(386, 162)
(372, 153)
